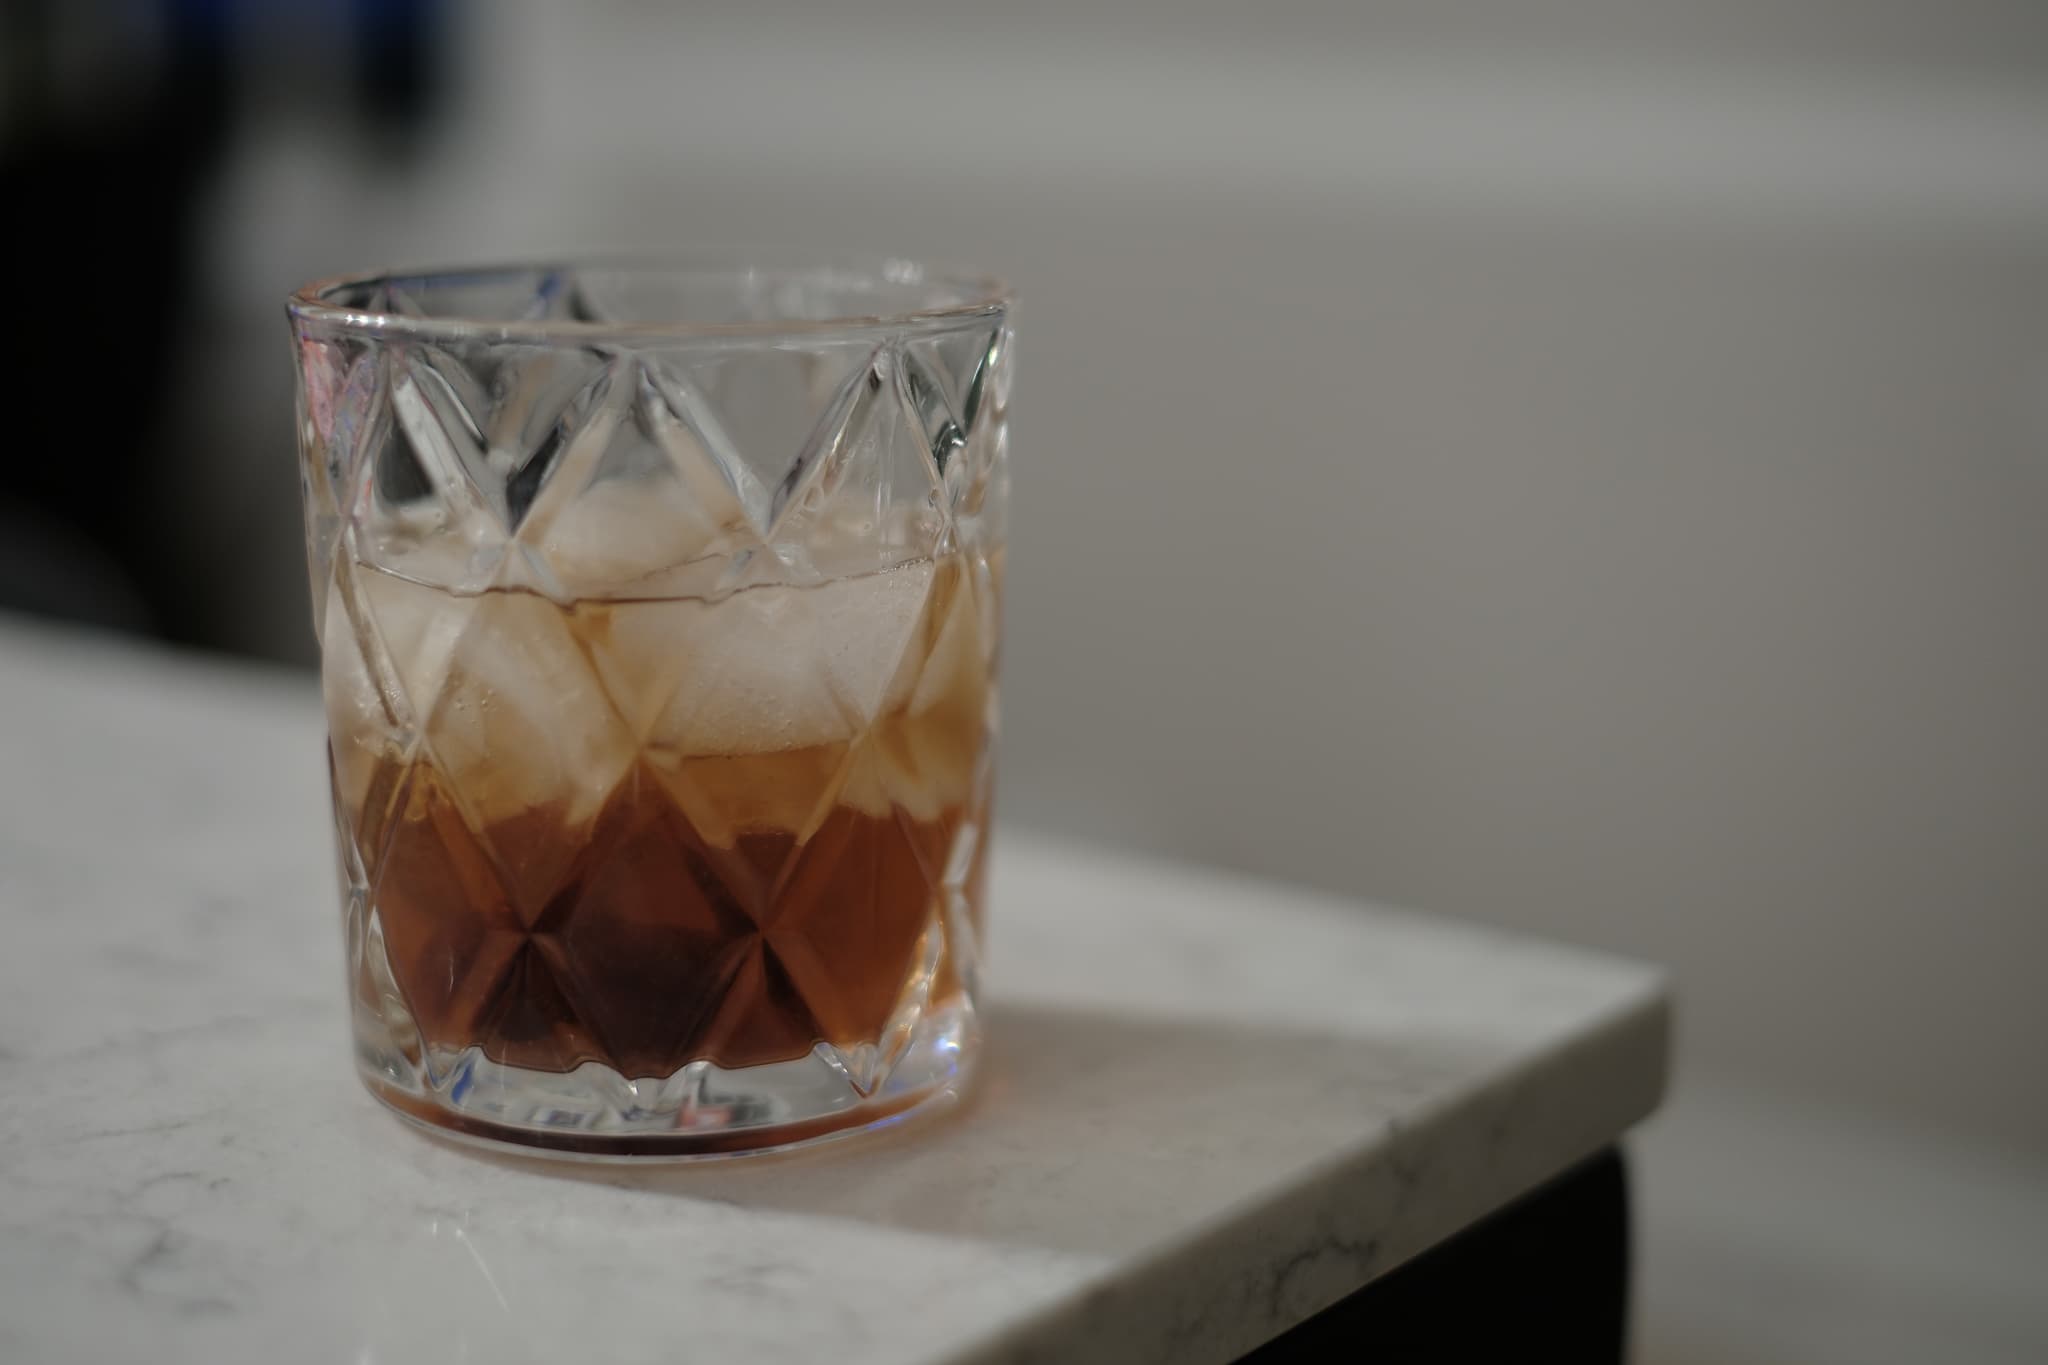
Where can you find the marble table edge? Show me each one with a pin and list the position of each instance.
(1250, 1273)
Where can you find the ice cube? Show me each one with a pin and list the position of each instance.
(521, 721)
(620, 537)
(417, 628)
(868, 625)
(765, 669)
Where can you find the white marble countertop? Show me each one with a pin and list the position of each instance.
(1212, 1106)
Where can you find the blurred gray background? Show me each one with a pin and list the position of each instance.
(1577, 464)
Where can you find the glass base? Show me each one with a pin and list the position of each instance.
(702, 1111)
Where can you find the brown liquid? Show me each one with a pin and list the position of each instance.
(669, 904)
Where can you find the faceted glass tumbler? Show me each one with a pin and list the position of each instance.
(658, 614)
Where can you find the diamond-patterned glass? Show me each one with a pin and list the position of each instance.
(658, 617)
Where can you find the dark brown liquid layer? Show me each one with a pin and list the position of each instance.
(643, 946)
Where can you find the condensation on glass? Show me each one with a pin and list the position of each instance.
(658, 613)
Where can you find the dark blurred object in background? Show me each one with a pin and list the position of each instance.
(114, 117)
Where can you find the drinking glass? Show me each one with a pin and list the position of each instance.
(658, 616)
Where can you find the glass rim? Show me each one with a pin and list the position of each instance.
(961, 297)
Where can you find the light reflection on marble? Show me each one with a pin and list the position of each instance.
(1212, 1106)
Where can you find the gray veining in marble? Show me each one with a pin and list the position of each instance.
(1212, 1105)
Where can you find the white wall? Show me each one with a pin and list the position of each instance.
(1589, 475)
